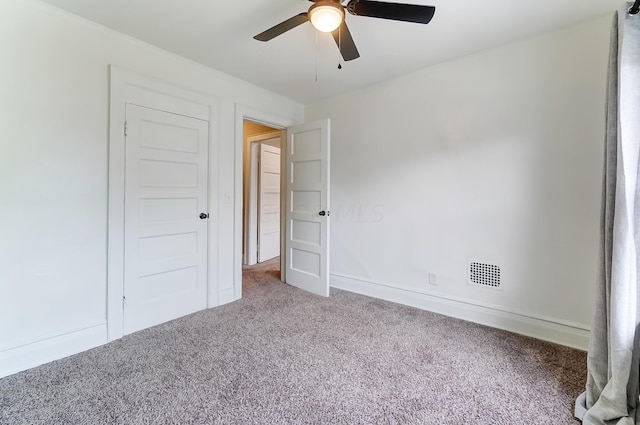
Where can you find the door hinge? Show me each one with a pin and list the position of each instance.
(125, 128)
(123, 301)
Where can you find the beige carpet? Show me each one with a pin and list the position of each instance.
(282, 356)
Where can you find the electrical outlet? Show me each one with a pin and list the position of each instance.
(433, 279)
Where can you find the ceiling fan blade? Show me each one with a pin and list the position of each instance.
(345, 42)
(395, 11)
(282, 27)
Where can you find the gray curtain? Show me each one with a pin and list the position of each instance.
(613, 362)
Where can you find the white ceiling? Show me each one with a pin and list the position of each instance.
(219, 34)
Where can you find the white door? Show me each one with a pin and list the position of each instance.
(307, 207)
(165, 237)
(269, 203)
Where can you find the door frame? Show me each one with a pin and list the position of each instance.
(279, 123)
(251, 210)
(130, 87)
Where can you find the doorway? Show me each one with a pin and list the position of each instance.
(163, 165)
(304, 259)
(261, 232)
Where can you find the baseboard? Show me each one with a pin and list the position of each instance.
(226, 296)
(545, 329)
(27, 356)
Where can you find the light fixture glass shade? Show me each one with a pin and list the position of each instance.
(326, 18)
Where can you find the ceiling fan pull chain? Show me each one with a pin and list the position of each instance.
(340, 47)
(316, 55)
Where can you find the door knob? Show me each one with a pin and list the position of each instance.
(204, 216)
(323, 213)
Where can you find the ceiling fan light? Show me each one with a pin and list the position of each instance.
(326, 16)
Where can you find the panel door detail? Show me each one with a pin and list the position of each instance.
(166, 216)
(269, 203)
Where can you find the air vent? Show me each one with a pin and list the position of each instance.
(484, 274)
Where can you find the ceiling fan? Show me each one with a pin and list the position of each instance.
(328, 16)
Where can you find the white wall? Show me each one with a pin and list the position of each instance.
(54, 103)
(495, 157)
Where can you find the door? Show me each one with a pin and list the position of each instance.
(269, 203)
(307, 207)
(165, 264)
